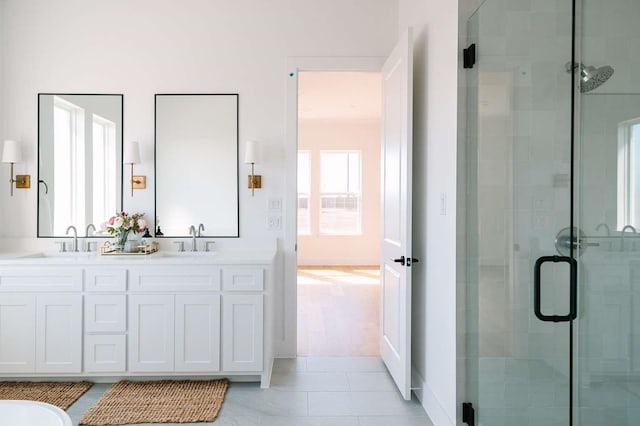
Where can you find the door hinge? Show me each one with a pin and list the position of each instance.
(469, 56)
(468, 414)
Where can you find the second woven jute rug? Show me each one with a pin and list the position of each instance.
(60, 394)
(164, 401)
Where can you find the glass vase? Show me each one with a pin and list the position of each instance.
(121, 241)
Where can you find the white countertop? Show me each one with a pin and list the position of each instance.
(225, 257)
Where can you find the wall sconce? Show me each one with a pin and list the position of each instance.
(131, 157)
(252, 156)
(11, 154)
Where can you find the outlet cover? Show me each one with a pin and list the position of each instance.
(274, 223)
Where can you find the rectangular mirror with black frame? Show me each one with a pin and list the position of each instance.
(196, 170)
(79, 161)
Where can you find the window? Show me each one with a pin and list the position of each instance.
(304, 193)
(69, 174)
(340, 193)
(628, 173)
(105, 171)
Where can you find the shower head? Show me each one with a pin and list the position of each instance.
(591, 77)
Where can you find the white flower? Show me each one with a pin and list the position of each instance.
(142, 223)
(117, 222)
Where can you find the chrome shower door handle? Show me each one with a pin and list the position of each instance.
(573, 289)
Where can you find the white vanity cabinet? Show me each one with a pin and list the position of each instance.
(175, 319)
(178, 333)
(58, 333)
(242, 317)
(40, 320)
(17, 333)
(105, 320)
(146, 317)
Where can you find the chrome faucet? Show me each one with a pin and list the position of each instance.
(200, 229)
(86, 234)
(75, 237)
(606, 228)
(622, 235)
(193, 233)
(89, 226)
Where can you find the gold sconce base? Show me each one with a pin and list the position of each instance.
(138, 182)
(23, 181)
(254, 181)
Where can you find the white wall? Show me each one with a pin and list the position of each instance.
(4, 170)
(363, 136)
(164, 46)
(435, 26)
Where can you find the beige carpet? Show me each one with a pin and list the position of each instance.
(164, 401)
(60, 394)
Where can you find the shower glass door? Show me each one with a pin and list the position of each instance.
(519, 177)
(607, 371)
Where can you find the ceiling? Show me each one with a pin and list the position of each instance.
(339, 95)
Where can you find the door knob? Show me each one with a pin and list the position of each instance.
(411, 260)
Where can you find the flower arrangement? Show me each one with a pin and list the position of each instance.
(122, 224)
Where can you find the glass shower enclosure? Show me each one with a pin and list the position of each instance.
(553, 206)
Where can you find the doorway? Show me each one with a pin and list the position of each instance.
(338, 212)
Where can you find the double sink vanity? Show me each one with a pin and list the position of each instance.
(165, 314)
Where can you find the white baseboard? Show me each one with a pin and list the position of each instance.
(429, 401)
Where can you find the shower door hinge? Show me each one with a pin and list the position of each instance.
(468, 414)
(469, 56)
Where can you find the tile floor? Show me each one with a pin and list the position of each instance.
(315, 391)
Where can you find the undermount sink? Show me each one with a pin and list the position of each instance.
(58, 255)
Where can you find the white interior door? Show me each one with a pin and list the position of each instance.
(395, 263)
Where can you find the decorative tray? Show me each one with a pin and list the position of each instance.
(109, 249)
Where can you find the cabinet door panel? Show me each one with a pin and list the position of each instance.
(105, 313)
(197, 333)
(105, 353)
(242, 332)
(151, 333)
(58, 333)
(17, 333)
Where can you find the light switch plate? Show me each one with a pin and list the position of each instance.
(275, 204)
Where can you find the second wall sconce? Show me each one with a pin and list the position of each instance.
(131, 157)
(11, 154)
(252, 156)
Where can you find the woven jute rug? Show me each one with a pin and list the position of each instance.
(60, 394)
(165, 401)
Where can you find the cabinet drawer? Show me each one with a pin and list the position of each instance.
(40, 280)
(106, 280)
(105, 353)
(243, 279)
(187, 278)
(105, 313)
